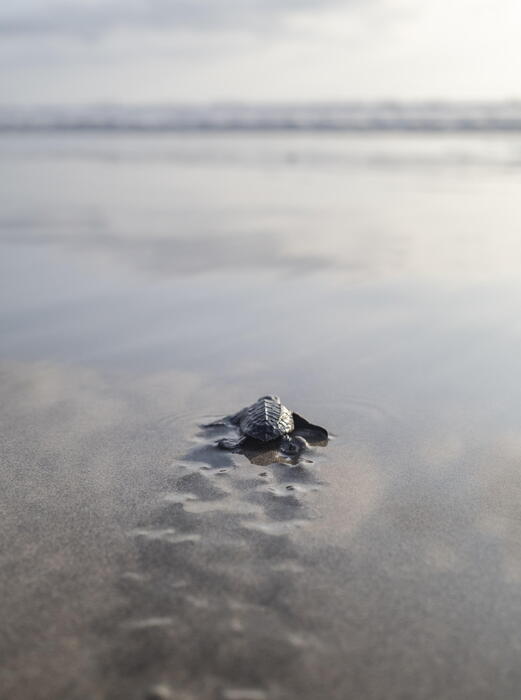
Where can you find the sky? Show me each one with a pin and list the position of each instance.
(143, 51)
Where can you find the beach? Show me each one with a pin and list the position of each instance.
(153, 282)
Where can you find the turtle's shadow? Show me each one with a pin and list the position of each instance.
(259, 453)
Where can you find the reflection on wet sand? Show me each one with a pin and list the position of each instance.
(212, 556)
(139, 561)
(204, 574)
(174, 256)
(74, 478)
(218, 205)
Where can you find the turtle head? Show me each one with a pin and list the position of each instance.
(293, 445)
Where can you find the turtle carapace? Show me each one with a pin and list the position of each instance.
(268, 420)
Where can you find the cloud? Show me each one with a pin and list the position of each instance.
(192, 50)
(96, 18)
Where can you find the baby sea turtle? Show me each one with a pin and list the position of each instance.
(267, 420)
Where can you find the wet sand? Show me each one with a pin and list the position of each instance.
(151, 284)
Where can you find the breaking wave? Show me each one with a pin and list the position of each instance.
(385, 116)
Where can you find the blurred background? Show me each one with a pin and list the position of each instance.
(81, 51)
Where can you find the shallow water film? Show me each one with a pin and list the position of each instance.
(153, 283)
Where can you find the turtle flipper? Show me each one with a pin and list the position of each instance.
(221, 423)
(234, 419)
(313, 433)
(227, 444)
